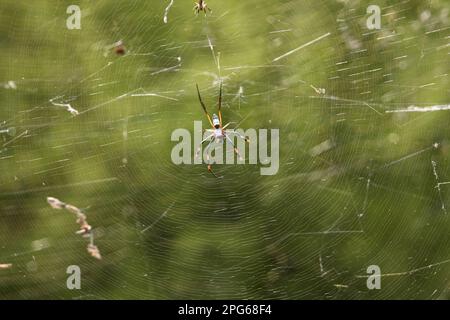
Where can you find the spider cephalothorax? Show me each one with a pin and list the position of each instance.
(201, 5)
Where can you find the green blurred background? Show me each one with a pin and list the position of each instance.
(176, 232)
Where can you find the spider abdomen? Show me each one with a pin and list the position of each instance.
(218, 133)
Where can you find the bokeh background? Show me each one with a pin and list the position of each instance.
(357, 185)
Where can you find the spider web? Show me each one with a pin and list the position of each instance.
(363, 176)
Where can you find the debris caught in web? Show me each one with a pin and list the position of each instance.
(85, 227)
(166, 12)
(68, 107)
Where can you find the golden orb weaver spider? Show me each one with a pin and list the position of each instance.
(218, 132)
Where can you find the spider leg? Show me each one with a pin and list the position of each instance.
(201, 143)
(207, 150)
(220, 104)
(207, 157)
(238, 135)
(234, 147)
(225, 126)
(204, 107)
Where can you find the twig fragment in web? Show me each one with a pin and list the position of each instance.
(4, 266)
(16, 138)
(153, 95)
(322, 148)
(85, 228)
(81, 217)
(421, 109)
(280, 31)
(10, 85)
(159, 219)
(340, 286)
(110, 63)
(438, 186)
(346, 100)
(322, 269)
(318, 90)
(406, 273)
(166, 12)
(239, 96)
(366, 198)
(168, 69)
(109, 101)
(412, 155)
(301, 47)
(254, 67)
(68, 107)
(9, 131)
(93, 249)
(216, 58)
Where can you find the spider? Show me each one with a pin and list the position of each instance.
(201, 6)
(218, 132)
